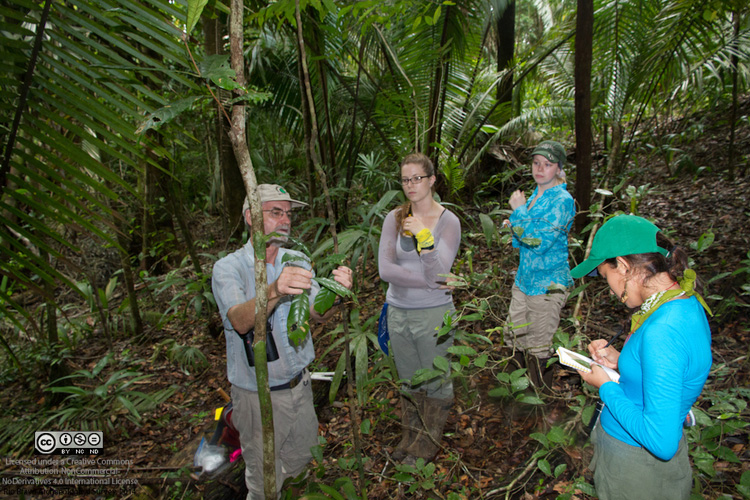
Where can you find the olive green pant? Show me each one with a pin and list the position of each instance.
(415, 344)
(625, 472)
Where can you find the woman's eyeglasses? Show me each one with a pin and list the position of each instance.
(414, 180)
(277, 213)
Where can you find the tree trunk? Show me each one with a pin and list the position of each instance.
(306, 124)
(56, 370)
(156, 223)
(506, 40)
(309, 116)
(231, 179)
(127, 272)
(583, 56)
(24, 93)
(614, 163)
(351, 155)
(238, 137)
(327, 147)
(233, 195)
(122, 230)
(436, 102)
(733, 115)
(175, 206)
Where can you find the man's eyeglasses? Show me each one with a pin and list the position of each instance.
(277, 213)
(414, 180)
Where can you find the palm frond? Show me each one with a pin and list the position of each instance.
(76, 153)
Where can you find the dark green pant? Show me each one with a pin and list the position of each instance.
(624, 472)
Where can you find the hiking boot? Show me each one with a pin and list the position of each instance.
(410, 424)
(539, 374)
(516, 362)
(435, 414)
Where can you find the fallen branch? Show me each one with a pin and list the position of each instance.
(507, 488)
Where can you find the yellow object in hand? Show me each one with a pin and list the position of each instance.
(425, 240)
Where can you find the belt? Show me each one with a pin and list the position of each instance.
(292, 383)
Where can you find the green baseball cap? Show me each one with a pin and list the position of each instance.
(552, 150)
(621, 235)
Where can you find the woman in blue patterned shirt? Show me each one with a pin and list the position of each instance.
(540, 227)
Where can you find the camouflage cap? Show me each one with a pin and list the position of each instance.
(552, 150)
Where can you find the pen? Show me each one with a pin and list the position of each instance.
(622, 329)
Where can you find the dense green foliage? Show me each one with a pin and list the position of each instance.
(111, 121)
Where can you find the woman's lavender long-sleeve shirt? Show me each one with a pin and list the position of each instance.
(413, 279)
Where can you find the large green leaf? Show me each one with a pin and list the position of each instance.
(488, 227)
(195, 9)
(167, 113)
(298, 320)
(216, 68)
(324, 300)
(335, 287)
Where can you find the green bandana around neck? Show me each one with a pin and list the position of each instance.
(651, 304)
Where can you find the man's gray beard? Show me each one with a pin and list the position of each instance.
(278, 241)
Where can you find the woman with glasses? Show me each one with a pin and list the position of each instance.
(419, 242)
(540, 227)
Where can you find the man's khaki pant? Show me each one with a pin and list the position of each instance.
(295, 431)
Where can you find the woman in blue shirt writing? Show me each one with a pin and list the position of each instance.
(540, 227)
(639, 445)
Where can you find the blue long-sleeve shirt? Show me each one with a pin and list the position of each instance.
(663, 368)
(549, 220)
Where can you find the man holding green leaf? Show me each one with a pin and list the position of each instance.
(233, 284)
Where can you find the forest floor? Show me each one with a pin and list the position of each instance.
(490, 449)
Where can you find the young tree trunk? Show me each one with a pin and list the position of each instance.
(155, 221)
(5, 166)
(583, 55)
(175, 206)
(614, 163)
(306, 124)
(351, 156)
(233, 196)
(127, 272)
(326, 147)
(506, 40)
(56, 370)
(308, 114)
(437, 102)
(733, 115)
(238, 137)
(122, 232)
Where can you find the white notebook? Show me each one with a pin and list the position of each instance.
(583, 363)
